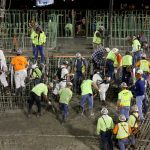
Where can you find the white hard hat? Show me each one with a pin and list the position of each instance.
(51, 84)
(134, 108)
(134, 37)
(19, 51)
(107, 49)
(65, 62)
(102, 28)
(104, 111)
(140, 71)
(144, 55)
(34, 66)
(123, 84)
(122, 118)
(69, 84)
(115, 50)
(78, 55)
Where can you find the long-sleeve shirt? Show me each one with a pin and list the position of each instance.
(104, 122)
(139, 87)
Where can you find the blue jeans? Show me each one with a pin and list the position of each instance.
(64, 110)
(33, 49)
(139, 103)
(122, 143)
(125, 111)
(136, 56)
(77, 82)
(39, 48)
(106, 138)
(89, 98)
(110, 67)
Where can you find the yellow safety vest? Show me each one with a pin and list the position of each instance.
(144, 65)
(125, 97)
(97, 40)
(136, 45)
(83, 66)
(111, 55)
(127, 60)
(38, 40)
(123, 130)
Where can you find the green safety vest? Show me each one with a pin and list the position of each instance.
(97, 40)
(37, 73)
(111, 55)
(127, 60)
(144, 65)
(38, 40)
(123, 130)
(136, 45)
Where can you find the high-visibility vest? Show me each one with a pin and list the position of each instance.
(123, 130)
(38, 40)
(97, 40)
(83, 65)
(136, 46)
(111, 55)
(127, 60)
(125, 97)
(144, 65)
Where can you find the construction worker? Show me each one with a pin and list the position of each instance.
(39, 39)
(134, 123)
(3, 70)
(98, 57)
(87, 94)
(136, 49)
(143, 65)
(37, 91)
(124, 100)
(105, 127)
(126, 67)
(36, 74)
(110, 59)
(122, 130)
(139, 89)
(98, 37)
(65, 95)
(79, 69)
(19, 63)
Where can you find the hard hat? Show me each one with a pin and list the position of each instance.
(122, 118)
(19, 51)
(102, 28)
(104, 111)
(115, 50)
(134, 108)
(140, 71)
(78, 55)
(69, 84)
(123, 84)
(107, 49)
(65, 62)
(34, 66)
(51, 84)
(144, 55)
(134, 37)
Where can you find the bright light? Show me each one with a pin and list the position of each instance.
(44, 2)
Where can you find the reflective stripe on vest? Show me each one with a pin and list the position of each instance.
(127, 60)
(144, 65)
(97, 40)
(123, 130)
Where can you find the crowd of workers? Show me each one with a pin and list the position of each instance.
(130, 73)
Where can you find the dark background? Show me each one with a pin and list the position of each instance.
(80, 4)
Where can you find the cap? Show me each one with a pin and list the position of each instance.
(122, 118)
(69, 84)
(134, 108)
(78, 55)
(140, 71)
(19, 51)
(144, 55)
(104, 111)
(115, 50)
(107, 49)
(34, 66)
(123, 84)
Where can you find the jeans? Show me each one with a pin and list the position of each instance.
(122, 143)
(125, 111)
(77, 82)
(110, 67)
(139, 103)
(64, 110)
(136, 56)
(33, 49)
(106, 138)
(88, 97)
(39, 48)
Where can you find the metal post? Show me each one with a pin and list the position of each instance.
(107, 41)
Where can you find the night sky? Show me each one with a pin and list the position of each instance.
(76, 4)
